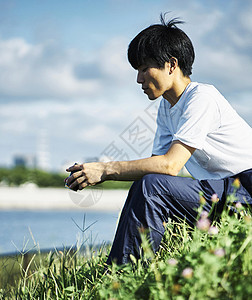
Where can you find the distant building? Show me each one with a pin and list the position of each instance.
(43, 151)
(27, 161)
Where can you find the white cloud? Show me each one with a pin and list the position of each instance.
(80, 125)
(36, 71)
(224, 68)
(47, 71)
(223, 46)
(114, 59)
(97, 133)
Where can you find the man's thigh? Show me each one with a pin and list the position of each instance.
(180, 196)
(182, 188)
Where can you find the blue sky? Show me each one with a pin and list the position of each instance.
(67, 92)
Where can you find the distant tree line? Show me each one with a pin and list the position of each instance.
(20, 175)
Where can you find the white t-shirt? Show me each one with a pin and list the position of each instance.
(203, 119)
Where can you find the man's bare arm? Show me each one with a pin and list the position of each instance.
(92, 173)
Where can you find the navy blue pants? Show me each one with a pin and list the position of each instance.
(157, 197)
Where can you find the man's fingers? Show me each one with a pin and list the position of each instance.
(80, 183)
(74, 168)
(77, 179)
(70, 179)
(83, 185)
(75, 183)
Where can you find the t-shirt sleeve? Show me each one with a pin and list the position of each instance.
(163, 137)
(200, 117)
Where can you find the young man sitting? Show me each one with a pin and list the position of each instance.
(196, 128)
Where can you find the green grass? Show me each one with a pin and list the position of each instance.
(113, 185)
(191, 264)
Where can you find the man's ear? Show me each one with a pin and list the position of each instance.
(173, 64)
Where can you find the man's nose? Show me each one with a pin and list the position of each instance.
(140, 78)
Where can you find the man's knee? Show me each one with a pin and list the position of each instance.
(148, 183)
(153, 184)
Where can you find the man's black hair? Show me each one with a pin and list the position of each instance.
(159, 43)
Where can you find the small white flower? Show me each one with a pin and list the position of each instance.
(215, 198)
(219, 252)
(204, 214)
(172, 262)
(213, 230)
(187, 273)
(238, 205)
(203, 224)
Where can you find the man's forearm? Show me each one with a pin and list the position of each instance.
(136, 169)
(86, 174)
(170, 163)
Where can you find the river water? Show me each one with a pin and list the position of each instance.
(24, 230)
(45, 218)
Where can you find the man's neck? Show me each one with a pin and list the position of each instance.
(179, 86)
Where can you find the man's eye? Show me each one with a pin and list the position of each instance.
(145, 69)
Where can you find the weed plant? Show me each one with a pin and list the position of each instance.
(211, 261)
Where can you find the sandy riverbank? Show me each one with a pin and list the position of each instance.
(34, 198)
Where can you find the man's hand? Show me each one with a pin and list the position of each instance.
(83, 175)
